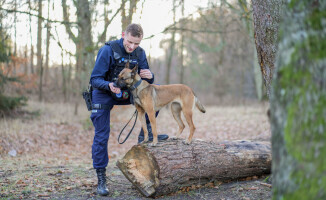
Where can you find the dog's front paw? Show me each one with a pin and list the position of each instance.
(186, 142)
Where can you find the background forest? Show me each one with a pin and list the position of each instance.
(48, 48)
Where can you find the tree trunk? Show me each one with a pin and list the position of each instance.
(84, 46)
(172, 44)
(127, 19)
(266, 15)
(182, 23)
(31, 59)
(39, 48)
(298, 103)
(47, 54)
(15, 42)
(170, 165)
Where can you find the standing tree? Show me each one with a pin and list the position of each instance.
(171, 48)
(298, 103)
(39, 48)
(7, 103)
(127, 19)
(298, 94)
(48, 37)
(266, 16)
(83, 41)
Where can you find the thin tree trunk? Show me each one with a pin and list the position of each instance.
(64, 82)
(39, 48)
(124, 22)
(31, 58)
(26, 56)
(15, 42)
(40, 97)
(182, 41)
(172, 46)
(48, 36)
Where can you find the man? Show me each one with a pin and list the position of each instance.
(110, 60)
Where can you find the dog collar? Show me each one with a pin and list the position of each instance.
(136, 85)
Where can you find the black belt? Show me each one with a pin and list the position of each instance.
(101, 106)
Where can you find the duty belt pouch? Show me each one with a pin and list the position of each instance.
(122, 96)
(87, 95)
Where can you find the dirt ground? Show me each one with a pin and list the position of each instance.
(46, 152)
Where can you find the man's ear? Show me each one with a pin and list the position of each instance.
(134, 70)
(127, 65)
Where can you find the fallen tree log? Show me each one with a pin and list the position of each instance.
(171, 165)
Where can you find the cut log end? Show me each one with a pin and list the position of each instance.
(141, 169)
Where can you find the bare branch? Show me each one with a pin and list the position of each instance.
(66, 18)
(35, 15)
(101, 38)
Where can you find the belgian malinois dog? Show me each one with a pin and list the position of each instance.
(149, 98)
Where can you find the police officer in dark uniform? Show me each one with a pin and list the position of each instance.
(110, 60)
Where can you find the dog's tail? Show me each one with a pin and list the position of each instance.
(199, 105)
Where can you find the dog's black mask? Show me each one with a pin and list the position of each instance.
(126, 81)
(119, 84)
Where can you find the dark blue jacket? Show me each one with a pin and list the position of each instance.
(105, 61)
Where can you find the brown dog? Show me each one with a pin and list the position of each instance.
(149, 98)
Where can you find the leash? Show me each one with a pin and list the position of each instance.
(135, 113)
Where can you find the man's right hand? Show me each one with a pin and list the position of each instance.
(114, 89)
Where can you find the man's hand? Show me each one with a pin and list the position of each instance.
(114, 89)
(146, 73)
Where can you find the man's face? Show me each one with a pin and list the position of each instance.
(130, 42)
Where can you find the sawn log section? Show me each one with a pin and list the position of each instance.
(171, 165)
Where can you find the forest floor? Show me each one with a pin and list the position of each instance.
(45, 151)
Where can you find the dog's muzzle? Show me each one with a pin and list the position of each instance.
(119, 84)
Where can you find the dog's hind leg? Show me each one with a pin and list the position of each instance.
(176, 112)
(187, 112)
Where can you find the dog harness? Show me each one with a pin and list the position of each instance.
(121, 59)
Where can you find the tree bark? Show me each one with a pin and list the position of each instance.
(266, 15)
(170, 165)
(298, 103)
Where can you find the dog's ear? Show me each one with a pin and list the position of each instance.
(134, 70)
(127, 65)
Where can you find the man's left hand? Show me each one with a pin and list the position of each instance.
(146, 73)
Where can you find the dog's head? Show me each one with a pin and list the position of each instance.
(127, 77)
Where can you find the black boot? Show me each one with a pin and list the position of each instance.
(150, 135)
(101, 186)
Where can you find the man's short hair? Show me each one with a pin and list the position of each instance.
(135, 30)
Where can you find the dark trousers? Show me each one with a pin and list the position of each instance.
(101, 123)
